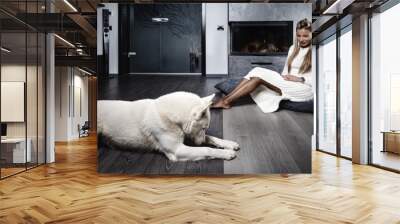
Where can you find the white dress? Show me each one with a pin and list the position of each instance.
(267, 99)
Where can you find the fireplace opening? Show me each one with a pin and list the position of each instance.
(261, 38)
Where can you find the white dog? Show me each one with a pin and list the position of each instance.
(163, 124)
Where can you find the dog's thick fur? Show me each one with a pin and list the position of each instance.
(163, 124)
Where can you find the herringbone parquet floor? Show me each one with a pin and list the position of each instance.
(71, 191)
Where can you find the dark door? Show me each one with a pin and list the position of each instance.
(145, 42)
(164, 38)
(181, 38)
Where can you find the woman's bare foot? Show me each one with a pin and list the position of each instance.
(221, 104)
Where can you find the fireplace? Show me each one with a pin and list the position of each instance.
(261, 38)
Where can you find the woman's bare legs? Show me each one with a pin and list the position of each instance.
(245, 87)
(242, 83)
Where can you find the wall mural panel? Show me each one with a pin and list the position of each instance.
(163, 115)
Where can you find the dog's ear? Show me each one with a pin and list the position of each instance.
(208, 100)
(199, 110)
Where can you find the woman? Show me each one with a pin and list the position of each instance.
(268, 88)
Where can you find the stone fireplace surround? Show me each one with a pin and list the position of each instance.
(240, 65)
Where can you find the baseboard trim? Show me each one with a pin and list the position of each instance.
(164, 73)
(216, 75)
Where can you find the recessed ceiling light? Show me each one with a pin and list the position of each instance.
(84, 71)
(338, 6)
(70, 5)
(64, 40)
(5, 50)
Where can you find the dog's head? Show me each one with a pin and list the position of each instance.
(199, 120)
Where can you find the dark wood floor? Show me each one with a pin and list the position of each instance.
(278, 142)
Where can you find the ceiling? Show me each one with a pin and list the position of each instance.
(75, 20)
(72, 20)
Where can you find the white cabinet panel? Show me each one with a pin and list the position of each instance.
(12, 101)
(216, 38)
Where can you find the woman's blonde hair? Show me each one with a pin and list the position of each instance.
(306, 65)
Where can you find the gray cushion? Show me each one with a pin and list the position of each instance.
(305, 107)
(228, 85)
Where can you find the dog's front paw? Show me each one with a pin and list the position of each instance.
(231, 145)
(229, 154)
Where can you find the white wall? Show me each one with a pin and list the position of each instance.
(327, 96)
(70, 83)
(14, 73)
(62, 81)
(12, 101)
(33, 126)
(17, 72)
(216, 40)
(79, 117)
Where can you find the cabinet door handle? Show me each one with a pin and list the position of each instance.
(261, 63)
(159, 20)
(131, 54)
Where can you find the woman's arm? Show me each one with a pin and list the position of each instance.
(305, 78)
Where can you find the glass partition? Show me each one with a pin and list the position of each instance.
(22, 88)
(385, 89)
(335, 93)
(327, 95)
(14, 145)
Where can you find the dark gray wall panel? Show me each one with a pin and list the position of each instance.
(239, 66)
(269, 11)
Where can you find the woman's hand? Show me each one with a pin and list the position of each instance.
(292, 78)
